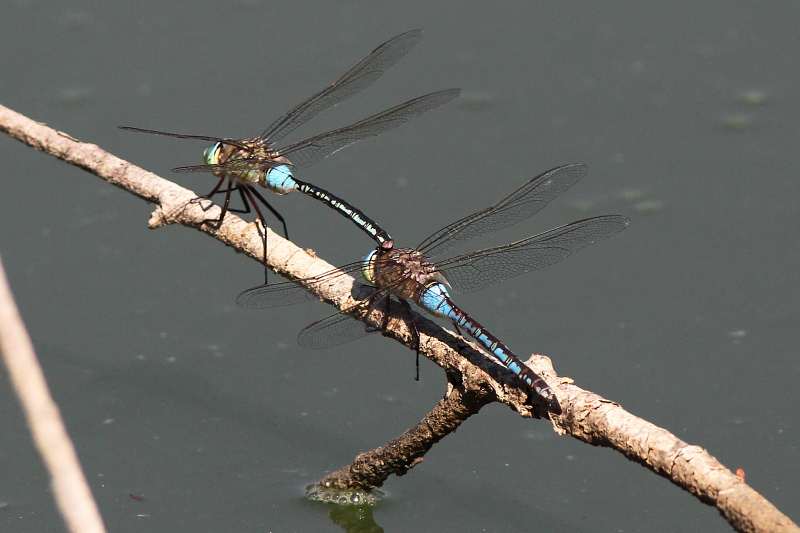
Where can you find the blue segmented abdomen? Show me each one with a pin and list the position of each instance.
(436, 299)
(280, 180)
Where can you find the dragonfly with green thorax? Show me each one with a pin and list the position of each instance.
(241, 164)
(407, 274)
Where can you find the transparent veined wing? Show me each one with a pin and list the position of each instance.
(477, 270)
(359, 77)
(292, 292)
(514, 208)
(309, 151)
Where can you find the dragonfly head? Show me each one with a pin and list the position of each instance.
(211, 154)
(368, 266)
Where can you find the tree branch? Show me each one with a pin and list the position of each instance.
(399, 455)
(474, 380)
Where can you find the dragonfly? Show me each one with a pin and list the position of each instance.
(242, 164)
(407, 274)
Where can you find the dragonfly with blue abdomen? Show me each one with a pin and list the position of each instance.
(407, 274)
(244, 163)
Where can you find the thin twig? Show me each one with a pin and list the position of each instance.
(473, 379)
(398, 456)
(72, 493)
(601, 422)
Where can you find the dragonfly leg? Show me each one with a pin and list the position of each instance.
(246, 209)
(216, 223)
(246, 193)
(215, 190)
(271, 209)
(410, 322)
(374, 300)
(371, 302)
(412, 325)
(233, 187)
(263, 229)
(246, 206)
(386, 312)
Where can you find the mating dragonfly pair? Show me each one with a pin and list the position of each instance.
(396, 273)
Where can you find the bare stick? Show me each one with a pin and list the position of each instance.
(601, 422)
(398, 456)
(592, 419)
(474, 380)
(72, 493)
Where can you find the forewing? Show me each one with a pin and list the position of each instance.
(343, 326)
(291, 292)
(275, 295)
(355, 80)
(309, 151)
(477, 270)
(176, 135)
(244, 164)
(332, 331)
(514, 208)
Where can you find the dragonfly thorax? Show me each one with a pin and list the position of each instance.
(255, 154)
(404, 270)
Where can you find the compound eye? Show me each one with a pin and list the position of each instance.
(367, 268)
(210, 154)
